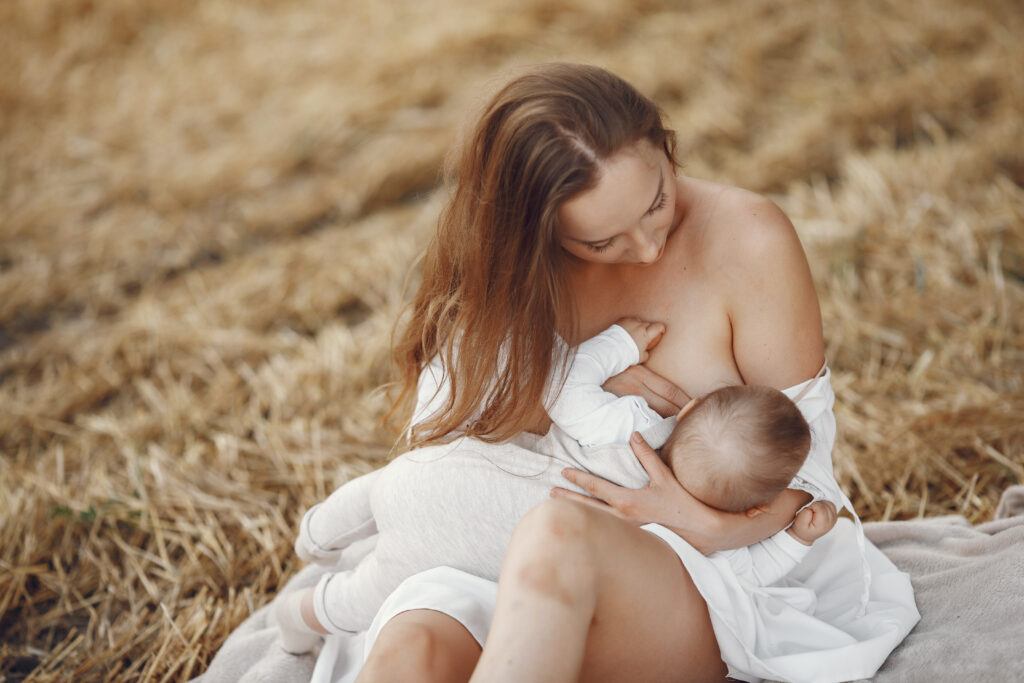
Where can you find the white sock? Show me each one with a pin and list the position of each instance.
(296, 636)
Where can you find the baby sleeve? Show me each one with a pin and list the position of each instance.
(767, 561)
(344, 517)
(588, 413)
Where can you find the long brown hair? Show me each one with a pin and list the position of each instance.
(494, 288)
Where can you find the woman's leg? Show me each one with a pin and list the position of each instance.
(586, 595)
(421, 646)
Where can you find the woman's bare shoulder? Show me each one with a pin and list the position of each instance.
(768, 289)
(738, 233)
(748, 224)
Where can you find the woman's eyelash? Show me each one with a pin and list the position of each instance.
(659, 205)
(654, 209)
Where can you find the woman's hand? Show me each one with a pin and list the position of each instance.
(664, 397)
(663, 500)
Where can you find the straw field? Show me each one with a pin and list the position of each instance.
(208, 211)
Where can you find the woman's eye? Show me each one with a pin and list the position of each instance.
(600, 247)
(660, 205)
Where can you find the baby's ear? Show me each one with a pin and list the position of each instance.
(756, 510)
(687, 408)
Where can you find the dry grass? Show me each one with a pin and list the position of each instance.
(207, 211)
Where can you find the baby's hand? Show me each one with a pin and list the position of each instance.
(645, 334)
(813, 522)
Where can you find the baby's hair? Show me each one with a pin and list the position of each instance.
(738, 447)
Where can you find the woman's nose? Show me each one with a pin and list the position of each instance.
(648, 248)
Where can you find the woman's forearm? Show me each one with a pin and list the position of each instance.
(725, 531)
(664, 501)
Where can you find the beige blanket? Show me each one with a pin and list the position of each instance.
(968, 581)
(969, 585)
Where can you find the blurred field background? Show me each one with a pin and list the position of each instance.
(208, 211)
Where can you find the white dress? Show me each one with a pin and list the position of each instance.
(835, 617)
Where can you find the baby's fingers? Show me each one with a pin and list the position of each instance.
(653, 334)
(831, 515)
(804, 520)
(824, 512)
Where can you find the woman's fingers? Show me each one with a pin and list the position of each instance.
(580, 498)
(599, 488)
(661, 395)
(658, 404)
(649, 459)
(671, 395)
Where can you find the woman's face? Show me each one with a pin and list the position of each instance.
(627, 216)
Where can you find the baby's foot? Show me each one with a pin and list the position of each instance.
(645, 334)
(296, 636)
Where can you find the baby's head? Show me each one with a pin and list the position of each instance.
(738, 447)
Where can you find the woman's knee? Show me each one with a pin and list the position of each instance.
(558, 526)
(421, 649)
(553, 551)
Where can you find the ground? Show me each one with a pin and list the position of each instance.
(208, 211)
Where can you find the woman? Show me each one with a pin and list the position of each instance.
(566, 216)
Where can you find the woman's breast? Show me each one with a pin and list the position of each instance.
(696, 351)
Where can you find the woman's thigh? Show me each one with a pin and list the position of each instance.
(650, 623)
(585, 595)
(421, 646)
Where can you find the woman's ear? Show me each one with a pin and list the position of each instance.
(687, 408)
(756, 510)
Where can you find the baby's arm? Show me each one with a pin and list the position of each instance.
(345, 517)
(582, 408)
(767, 561)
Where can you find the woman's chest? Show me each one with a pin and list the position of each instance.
(696, 351)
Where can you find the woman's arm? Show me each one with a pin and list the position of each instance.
(666, 502)
(770, 298)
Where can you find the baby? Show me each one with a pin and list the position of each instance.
(735, 449)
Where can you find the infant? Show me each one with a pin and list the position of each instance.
(735, 449)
